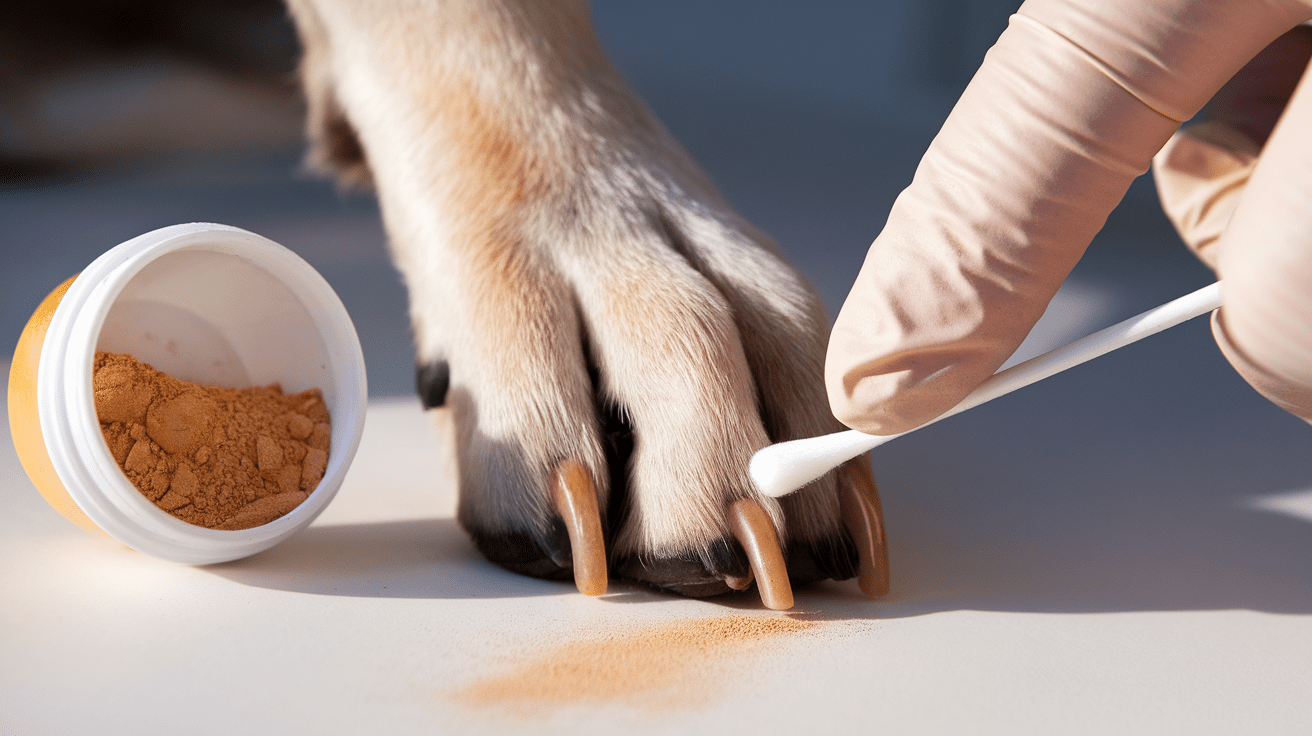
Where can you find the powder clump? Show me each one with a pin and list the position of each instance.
(215, 457)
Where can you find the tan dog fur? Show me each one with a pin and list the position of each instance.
(550, 230)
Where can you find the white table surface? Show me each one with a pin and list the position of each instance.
(1085, 592)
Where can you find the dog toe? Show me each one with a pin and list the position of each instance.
(569, 545)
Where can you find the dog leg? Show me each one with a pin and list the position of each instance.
(582, 298)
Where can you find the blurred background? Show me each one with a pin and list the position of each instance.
(1150, 479)
(120, 116)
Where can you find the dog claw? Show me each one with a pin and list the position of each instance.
(759, 539)
(864, 518)
(432, 381)
(575, 496)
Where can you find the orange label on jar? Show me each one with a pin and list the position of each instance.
(24, 419)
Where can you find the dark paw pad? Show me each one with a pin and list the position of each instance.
(544, 556)
(832, 557)
(696, 574)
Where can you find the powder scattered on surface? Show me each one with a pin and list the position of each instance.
(216, 457)
(678, 664)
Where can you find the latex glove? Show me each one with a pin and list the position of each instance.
(1068, 108)
(1202, 177)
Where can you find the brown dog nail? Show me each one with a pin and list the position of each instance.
(864, 518)
(759, 539)
(575, 496)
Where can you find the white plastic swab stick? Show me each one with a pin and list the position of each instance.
(783, 468)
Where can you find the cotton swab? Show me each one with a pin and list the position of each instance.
(781, 469)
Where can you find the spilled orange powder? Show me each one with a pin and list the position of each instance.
(678, 664)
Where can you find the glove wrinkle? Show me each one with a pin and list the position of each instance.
(1200, 175)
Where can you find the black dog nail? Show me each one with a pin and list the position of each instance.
(432, 381)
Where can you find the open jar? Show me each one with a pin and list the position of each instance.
(208, 304)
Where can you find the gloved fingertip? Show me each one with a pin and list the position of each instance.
(1290, 394)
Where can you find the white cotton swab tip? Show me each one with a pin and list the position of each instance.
(781, 469)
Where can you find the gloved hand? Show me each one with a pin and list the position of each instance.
(1068, 108)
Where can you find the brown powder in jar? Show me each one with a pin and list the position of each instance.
(679, 664)
(216, 457)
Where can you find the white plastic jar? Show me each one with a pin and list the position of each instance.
(205, 303)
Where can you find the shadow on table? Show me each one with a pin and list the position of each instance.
(1147, 482)
(428, 558)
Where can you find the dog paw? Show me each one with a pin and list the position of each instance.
(614, 342)
(646, 351)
